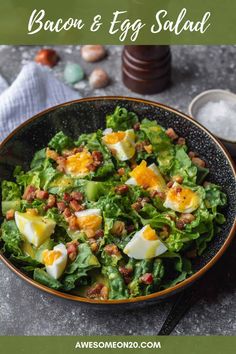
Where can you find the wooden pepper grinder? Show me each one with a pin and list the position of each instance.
(146, 69)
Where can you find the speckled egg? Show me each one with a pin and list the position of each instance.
(73, 73)
(92, 53)
(98, 78)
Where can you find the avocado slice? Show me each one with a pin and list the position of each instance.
(94, 190)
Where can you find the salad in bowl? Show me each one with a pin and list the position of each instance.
(114, 214)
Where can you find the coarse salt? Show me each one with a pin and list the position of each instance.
(220, 118)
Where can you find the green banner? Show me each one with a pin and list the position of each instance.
(117, 344)
(118, 22)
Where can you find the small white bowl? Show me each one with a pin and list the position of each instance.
(213, 96)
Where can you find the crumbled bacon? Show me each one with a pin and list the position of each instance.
(121, 171)
(126, 273)
(67, 197)
(171, 134)
(136, 126)
(97, 158)
(122, 189)
(66, 213)
(72, 220)
(10, 214)
(98, 291)
(111, 250)
(61, 206)
(61, 163)
(199, 162)
(77, 196)
(51, 202)
(29, 193)
(181, 141)
(75, 205)
(154, 194)
(40, 194)
(99, 233)
(72, 249)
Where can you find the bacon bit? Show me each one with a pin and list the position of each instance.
(136, 126)
(171, 134)
(95, 291)
(66, 213)
(72, 220)
(98, 291)
(29, 193)
(133, 163)
(67, 197)
(61, 163)
(136, 206)
(51, 154)
(51, 201)
(180, 224)
(170, 184)
(121, 171)
(97, 157)
(126, 273)
(72, 249)
(104, 293)
(181, 141)
(93, 245)
(67, 153)
(118, 228)
(91, 167)
(90, 233)
(178, 179)
(10, 214)
(111, 250)
(192, 154)
(75, 205)
(199, 162)
(146, 278)
(122, 189)
(170, 217)
(77, 196)
(40, 194)
(99, 233)
(143, 201)
(148, 148)
(187, 218)
(154, 194)
(61, 206)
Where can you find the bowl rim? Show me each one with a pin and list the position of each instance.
(154, 296)
(205, 93)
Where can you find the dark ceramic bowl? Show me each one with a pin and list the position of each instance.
(87, 115)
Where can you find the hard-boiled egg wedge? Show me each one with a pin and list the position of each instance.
(148, 177)
(55, 260)
(36, 229)
(121, 144)
(181, 199)
(77, 165)
(89, 219)
(145, 244)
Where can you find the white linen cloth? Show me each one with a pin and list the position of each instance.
(34, 90)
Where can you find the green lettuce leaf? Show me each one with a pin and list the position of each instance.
(121, 119)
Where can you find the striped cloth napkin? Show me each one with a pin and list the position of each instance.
(34, 90)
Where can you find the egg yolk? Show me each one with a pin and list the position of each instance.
(149, 234)
(144, 176)
(113, 138)
(49, 257)
(78, 163)
(89, 222)
(184, 197)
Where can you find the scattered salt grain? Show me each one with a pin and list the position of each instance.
(220, 118)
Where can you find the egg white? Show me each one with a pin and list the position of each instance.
(36, 229)
(160, 187)
(124, 149)
(141, 248)
(57, 268)
(179, 202)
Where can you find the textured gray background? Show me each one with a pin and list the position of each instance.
(27, 311)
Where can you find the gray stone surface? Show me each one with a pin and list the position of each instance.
(28, 311)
